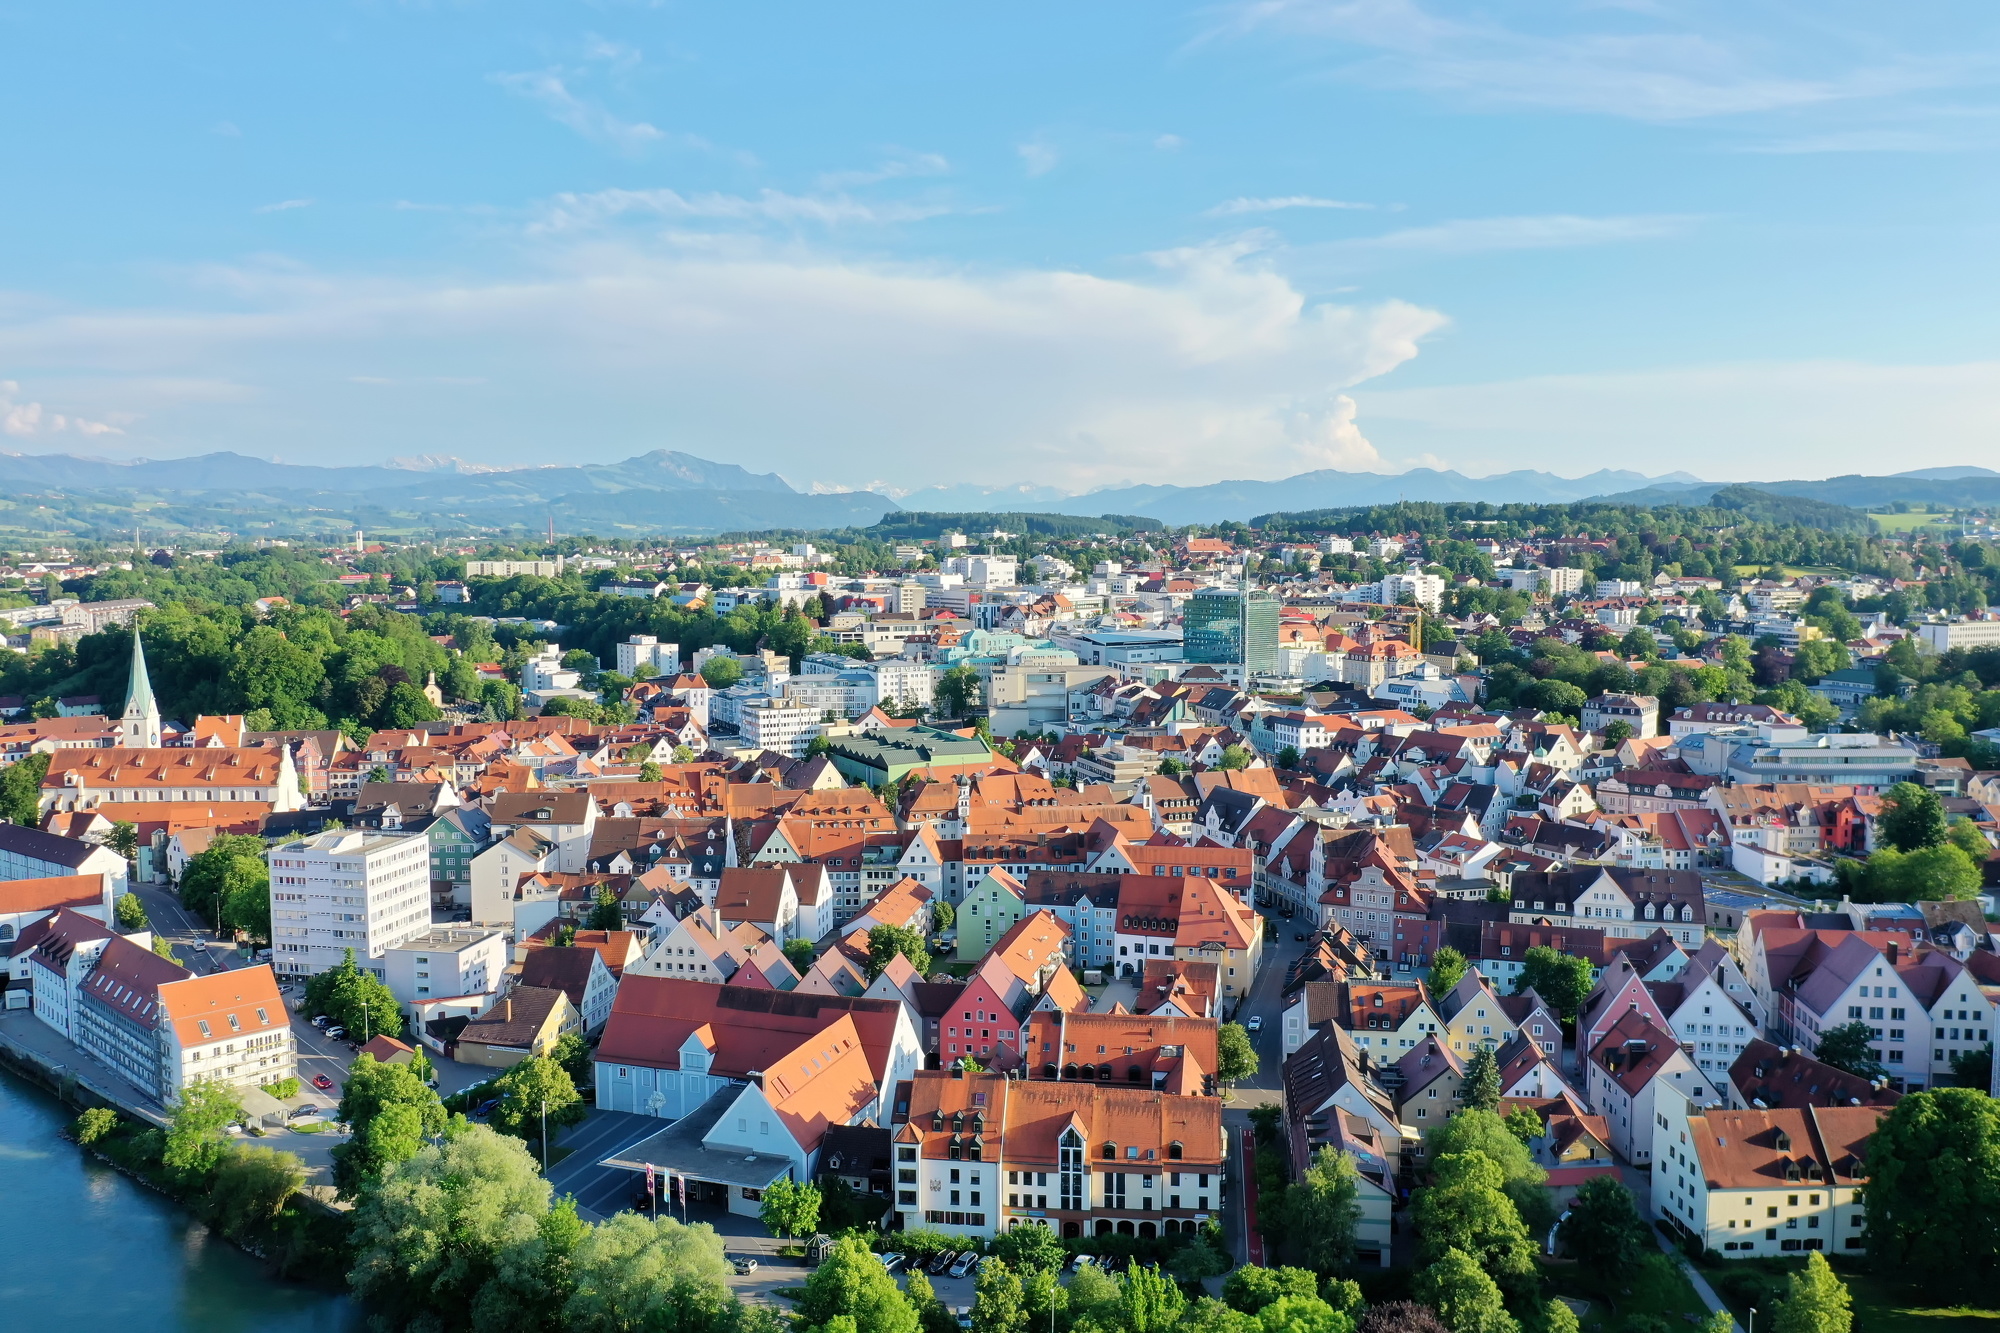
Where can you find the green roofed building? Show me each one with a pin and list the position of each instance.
(889, 755)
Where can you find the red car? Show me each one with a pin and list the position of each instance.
(322, 1082)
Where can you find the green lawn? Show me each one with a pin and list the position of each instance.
(1653, 1289)
(1881, 1305)
(1906, 522)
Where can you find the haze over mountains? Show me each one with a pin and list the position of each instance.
(670, 492)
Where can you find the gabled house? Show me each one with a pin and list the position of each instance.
(582, 977)
(1325, 1085)
(1429, 1083)
(1625, 1074)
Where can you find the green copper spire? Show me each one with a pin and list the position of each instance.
(142, 715)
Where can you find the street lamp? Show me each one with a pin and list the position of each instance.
(1753, 1321)
(545, 1136)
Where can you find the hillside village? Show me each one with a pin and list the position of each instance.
(980, 891)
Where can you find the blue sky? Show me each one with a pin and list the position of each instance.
(1056, 244)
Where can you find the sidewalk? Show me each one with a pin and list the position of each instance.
(1641, 1184)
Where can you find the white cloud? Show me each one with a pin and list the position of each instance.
(1741, 421)
(1692, 60)
(1330, 439)
(567, 212)
(588, 118)
(1238, 207)
(283, 206)
(23, 420)
(784, 357)
(1037, 157)
(1169, 143)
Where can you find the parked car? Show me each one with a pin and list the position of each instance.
(322, 1082)
(965, 1263)
(336, 1031)
(746, 1265)
(1081, 1261)
(1255, 1023)
(892, 1261)
(300, 1111)
(320, 1020)
(940, 1261)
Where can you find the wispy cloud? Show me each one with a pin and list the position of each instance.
(898, 165)
(283, 206)
(1037, 157)
(1238, 207)
(569, 212)
(1552, 231)
(549, 88)
(1647, 62)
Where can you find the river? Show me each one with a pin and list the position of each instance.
(80, 1242)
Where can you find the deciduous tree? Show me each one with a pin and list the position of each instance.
(851, 1282)
(1816, 1301)
(1562, 979)
(1604, 1231)
(1465, 1298)
(885, 942)
(996, 1299)
(430, 1236)
(1912, 817)
(533, 1091)
(194, 1131)
(790, 1208)
(1447, 970)
(631, 1272)
(1235, 1056)
(1250, 1289)
(1850, 1047)
(1933, 1191)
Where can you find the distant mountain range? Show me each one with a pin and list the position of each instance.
(658, 492)
(666, 492)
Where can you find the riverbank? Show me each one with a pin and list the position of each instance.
(92, 1240)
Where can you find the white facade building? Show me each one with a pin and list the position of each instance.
(783, 725)
(643, 656)
(347, 889)
(446, 963)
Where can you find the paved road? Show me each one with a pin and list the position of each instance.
(1266, 1000)
(196, 944)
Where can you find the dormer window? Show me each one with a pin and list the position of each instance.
(1109, 1152)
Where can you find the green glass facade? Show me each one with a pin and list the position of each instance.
(1221, 625)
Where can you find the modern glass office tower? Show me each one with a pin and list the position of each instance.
(1223, 625)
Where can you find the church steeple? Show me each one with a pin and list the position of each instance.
(141, 726)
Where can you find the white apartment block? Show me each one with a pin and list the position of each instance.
(783, 725)
(1425, 590)
(347, 889)
(642, 656)
(1761, 1183)
(446, 963)
(545, 671)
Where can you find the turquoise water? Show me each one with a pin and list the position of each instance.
(80, 1242)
